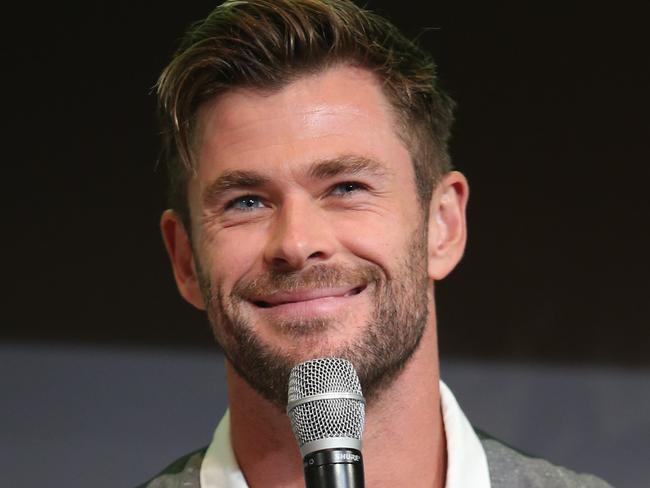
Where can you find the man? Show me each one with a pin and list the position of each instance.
(313, 207)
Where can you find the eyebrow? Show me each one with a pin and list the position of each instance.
(346, 165)
(231, 180)
(329, 168)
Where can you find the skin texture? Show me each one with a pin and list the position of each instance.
(304, 209)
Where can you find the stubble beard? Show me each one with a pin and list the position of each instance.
(387, 342)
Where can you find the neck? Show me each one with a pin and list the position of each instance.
(403, 442)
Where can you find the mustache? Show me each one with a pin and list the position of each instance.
(317, 276)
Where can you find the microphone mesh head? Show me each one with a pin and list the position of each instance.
(331, 417)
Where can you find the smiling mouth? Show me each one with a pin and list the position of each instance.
(305, 297)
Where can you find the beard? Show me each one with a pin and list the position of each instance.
(387, 341)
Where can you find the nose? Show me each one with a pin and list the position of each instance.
(300, 235)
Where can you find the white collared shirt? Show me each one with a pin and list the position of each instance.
(466, 462)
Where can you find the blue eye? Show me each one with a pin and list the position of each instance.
(246, 203)
(346, 188)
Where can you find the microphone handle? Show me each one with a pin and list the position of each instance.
(334, 468)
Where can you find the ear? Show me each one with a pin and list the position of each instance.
(447, 224)
(181, 256)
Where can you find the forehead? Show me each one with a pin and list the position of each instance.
(339, 111)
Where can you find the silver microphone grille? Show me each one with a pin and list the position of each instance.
(325, 404)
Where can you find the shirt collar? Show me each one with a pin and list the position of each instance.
(466, 462)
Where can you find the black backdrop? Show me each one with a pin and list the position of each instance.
(552, 132)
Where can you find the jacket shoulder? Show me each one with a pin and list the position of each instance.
(184, 472)
(510, 468)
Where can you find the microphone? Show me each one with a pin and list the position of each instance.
(327, 412)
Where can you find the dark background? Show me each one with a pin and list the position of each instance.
(552, 132)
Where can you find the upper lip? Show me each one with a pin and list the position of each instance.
(306, 294)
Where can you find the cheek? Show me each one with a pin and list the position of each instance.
(379, 241)
(231, 255)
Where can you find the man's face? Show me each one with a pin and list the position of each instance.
(308, 236)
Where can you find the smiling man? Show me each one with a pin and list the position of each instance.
(313, 208)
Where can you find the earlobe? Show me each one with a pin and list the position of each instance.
(447, 224)
(179, 249)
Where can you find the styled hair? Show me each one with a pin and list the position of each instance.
(267, 44)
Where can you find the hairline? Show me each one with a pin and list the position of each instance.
(398, 121)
